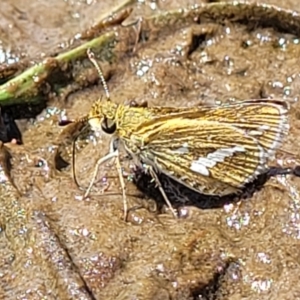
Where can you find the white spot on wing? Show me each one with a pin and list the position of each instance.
(263, 127)
(182, 150)
(202, 164)
(200, 168)
(255, 132)
(260, 130)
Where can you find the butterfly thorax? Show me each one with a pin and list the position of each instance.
(129, 118)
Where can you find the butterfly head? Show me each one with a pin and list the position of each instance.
(102, 116)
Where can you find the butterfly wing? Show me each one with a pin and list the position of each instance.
(215, 151)
(264, 119)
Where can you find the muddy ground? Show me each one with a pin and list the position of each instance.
(56, 245)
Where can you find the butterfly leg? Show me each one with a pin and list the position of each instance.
(100, 161)
(113, 146)
(122, 183)
(113, 153)
(159, 186)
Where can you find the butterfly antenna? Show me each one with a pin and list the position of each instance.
(91, 57)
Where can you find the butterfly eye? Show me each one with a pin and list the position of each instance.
(39, 163)
(143, 103)
(108, 126)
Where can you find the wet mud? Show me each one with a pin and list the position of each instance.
(55, 244)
